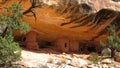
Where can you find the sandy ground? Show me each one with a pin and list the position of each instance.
(48, 58)
(35, 58)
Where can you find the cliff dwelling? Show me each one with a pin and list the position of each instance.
(68, 26)
(59, 33)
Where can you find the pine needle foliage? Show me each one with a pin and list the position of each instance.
(9, 49)
(113, 41)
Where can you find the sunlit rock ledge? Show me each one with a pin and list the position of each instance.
(95, 4)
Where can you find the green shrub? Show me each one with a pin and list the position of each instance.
(112, 42)
(9, 49)
(94, 58)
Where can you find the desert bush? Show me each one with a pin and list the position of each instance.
(112, 42)
(94, 58)
(9, 49)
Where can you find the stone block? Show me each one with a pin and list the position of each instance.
(30, 41)
(62, 45)
(74, 46)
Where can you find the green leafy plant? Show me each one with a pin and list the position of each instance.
(94, 58)
(113, 41)
(9, 49)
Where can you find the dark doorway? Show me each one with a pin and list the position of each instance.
(91, 49)
(43, 44)
(65, 45)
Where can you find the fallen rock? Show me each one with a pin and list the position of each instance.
(93, 66)
(105, 66)
(117, 56)
(78, 62)
(106, 61)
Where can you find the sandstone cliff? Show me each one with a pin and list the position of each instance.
(70, 25)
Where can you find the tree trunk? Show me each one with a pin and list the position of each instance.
(112, 52)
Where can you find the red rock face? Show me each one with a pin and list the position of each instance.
(68, 24)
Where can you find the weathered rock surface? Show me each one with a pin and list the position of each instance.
(69, 24)
(95, 4)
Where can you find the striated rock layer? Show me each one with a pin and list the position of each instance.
(95, 4)
(68, 25)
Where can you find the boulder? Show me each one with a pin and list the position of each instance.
(106, 61)
(78, 62)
